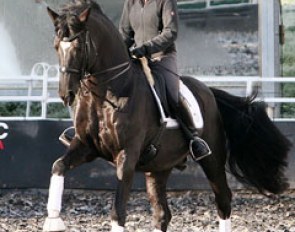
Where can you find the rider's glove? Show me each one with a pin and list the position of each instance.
(138, 52)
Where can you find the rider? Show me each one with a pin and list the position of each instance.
(149, 29)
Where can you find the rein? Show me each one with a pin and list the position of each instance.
(87, 77)
(96, 95)
(127, 64)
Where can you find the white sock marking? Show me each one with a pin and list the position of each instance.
(225, 225)
(116, 227)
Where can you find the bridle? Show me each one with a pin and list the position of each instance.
(84, 72)
(65, 69)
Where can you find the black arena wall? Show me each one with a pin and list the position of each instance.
(29, 148)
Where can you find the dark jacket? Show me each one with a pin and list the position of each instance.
(154, 25)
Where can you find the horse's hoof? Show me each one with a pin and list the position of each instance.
(54, 225)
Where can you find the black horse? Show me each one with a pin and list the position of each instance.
(116, 119)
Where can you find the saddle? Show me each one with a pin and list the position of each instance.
(159, 92)
(167, 122)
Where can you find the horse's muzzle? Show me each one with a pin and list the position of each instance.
(69, 99)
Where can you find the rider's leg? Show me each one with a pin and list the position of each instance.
(181, 99)
(193, 120)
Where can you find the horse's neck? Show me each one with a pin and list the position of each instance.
(111, 53)
(111, 89)
(108, 42)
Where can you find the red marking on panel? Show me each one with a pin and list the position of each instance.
(1, 145)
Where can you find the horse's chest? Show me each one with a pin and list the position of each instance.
(108, 131)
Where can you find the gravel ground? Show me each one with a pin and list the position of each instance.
(88, 211)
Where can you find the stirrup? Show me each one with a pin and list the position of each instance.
(198, 140)
(65, 138)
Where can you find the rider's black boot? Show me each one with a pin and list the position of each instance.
(198, 148)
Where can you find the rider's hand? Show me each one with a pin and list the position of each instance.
(138, 52)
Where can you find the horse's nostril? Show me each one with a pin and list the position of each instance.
(71, 93)
(62, 98)
(70, 97)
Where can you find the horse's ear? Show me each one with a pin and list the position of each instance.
(84, 15)
(53, 15)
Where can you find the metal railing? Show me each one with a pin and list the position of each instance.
(40, 74)
(42, 80)
(209, 4)
(249, 83)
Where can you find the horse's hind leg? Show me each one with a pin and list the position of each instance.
(215, 172)
(156, 189)
(75, 156)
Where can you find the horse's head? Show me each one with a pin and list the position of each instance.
(87, 44)
(69, 42)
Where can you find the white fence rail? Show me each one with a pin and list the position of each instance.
(41, 77)
(249, 83)
(209, 4)
(46, 84)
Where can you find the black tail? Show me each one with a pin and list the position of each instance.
(258, 150)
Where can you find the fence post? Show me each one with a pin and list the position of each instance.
(30, 87)
(44, 94)
(208, 4)
(249, 88)
(269, 46)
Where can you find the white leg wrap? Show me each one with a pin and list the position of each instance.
(225, 225)
(192, 105)
(53, 222)
(156, 230)
(55, 195)
(116, 227)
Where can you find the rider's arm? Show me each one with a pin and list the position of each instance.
(125, 26)
(170, 28)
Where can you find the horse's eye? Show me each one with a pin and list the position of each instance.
(59, 33)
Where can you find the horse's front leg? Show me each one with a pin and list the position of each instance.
(125, 163)
(75, 156)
